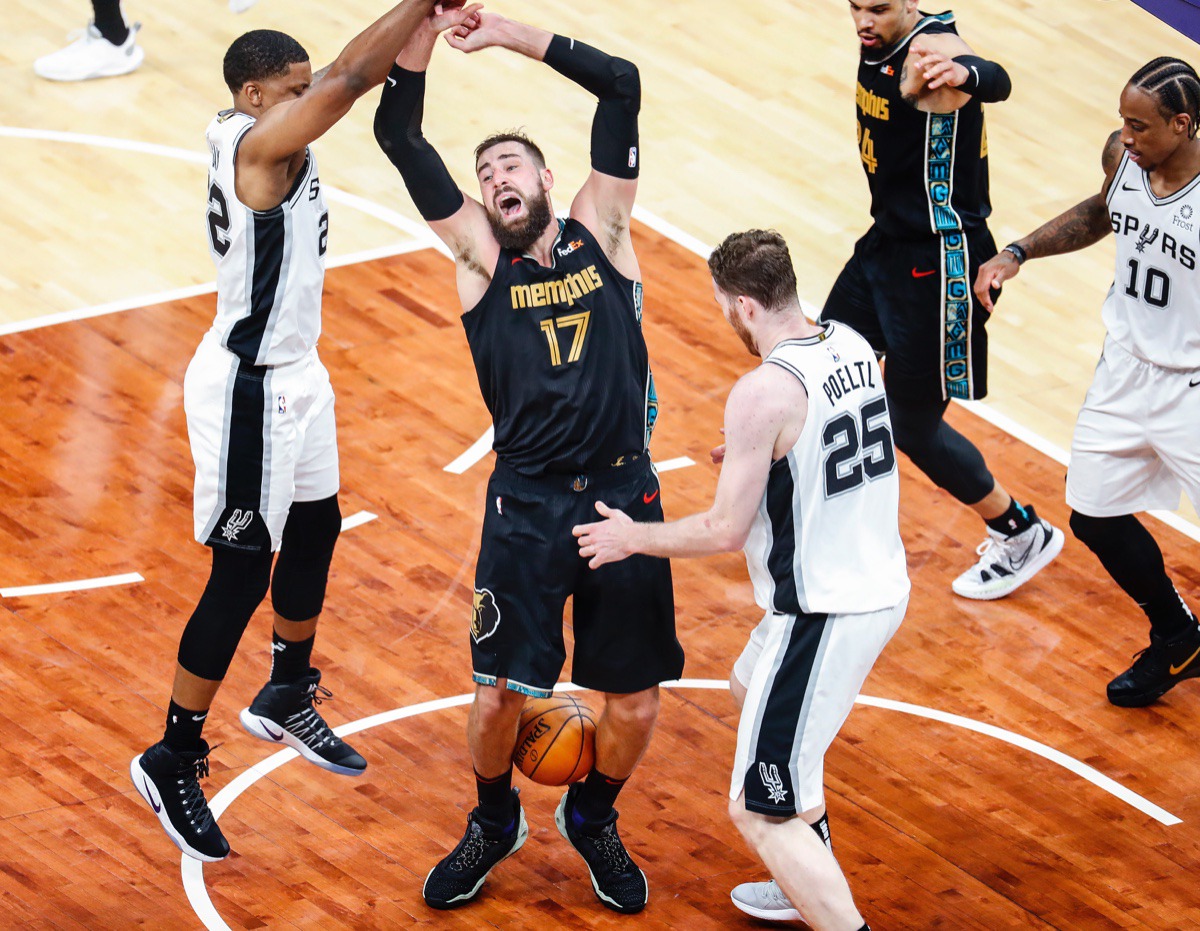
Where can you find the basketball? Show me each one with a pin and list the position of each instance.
(556, 740)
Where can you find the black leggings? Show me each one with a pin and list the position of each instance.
(109, 21)
(949, 459)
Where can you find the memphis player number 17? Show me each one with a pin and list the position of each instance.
(219, 222)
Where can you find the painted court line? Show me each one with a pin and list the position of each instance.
(480, 448)
(670, 465)
(79, 585)
(357, 520)
(193, 870)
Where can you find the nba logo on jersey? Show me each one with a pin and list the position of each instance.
(281, 404)
(633, 156)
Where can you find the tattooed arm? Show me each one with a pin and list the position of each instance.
(1083, 225)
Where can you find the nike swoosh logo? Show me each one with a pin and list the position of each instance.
(1193, 384)
(1176, 670)
(199, 717)
(391, 80)
(157, 807)
(649, 498)
(273, 735)
(917, 274)
(1126, 187)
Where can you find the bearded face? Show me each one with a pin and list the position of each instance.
(519, 219)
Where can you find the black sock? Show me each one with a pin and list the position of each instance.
(495, 798)
(109, 21)
(821, 826)
(290, 659)
(1012, 521)
(594, 802)
(183, 729)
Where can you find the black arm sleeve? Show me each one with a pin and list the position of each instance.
(615, 81)
(986, 81)
(398, 132)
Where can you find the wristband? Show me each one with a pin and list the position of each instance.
(1017, 253)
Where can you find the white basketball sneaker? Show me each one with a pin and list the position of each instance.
(1007, 563)
(241, 6)
(91, 56)
(765, 900)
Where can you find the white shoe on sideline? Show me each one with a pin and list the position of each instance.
(1007, 563)
(765, 900)
(241, 6)
(91, 56)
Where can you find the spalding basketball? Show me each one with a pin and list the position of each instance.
(556, 740)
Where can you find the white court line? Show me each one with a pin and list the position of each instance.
(480, 448)
(178, 294)
(76, 586)
(670, 465)
(193, 870)
(357, 520)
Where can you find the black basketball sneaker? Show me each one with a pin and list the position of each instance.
(1157, 669)
(283, 713)
(457, 879)
(169, 781)
(618, 882)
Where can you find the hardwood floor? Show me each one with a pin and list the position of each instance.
(935, 825)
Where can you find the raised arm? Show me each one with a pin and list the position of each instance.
(941, 74)
(762, 405)
(285, 129)
(1083, 225)
(605, 202)
(458, 220)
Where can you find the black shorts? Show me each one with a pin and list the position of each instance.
(913, 301)
(529, 562)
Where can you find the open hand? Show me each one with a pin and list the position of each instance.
(608, 540)
(992, 275)
(938, 69)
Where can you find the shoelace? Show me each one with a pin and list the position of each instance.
(611, 849)
(473, 850)
(195, 806)
(775, 895)
(307, 725)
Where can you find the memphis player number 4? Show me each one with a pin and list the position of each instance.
(859, 449)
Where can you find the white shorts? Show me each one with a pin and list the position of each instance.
(801, 675)
(1137, 439)
(262, 437)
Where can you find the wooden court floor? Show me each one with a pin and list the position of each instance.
(937, 825)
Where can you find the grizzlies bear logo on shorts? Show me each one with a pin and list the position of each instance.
(485, 615)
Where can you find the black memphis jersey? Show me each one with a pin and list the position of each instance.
(928, 172)
(561, 359)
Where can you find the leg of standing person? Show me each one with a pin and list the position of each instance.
(106, 48)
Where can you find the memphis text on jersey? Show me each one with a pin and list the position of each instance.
(562, 291)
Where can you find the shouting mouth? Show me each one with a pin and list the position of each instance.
(509, 205)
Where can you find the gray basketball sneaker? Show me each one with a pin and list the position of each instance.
(765, 901)
(1007, 563)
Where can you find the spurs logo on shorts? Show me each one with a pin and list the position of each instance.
(238, 521)
(769, 773)
(485, 615)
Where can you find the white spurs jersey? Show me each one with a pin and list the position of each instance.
(1153, 307)
(826, 538)
(270, 264)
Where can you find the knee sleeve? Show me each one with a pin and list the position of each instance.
(237, 585)
(947, 457)
(302, 570)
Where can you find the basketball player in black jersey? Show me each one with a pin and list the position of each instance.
(907, 289)
(552, 311)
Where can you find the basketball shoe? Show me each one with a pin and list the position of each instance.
(169, 781)
(1157, 669)
(1007, 563)
(765, 901)
(91, 56)
(618, 882)
(457, 879)
(283, 713)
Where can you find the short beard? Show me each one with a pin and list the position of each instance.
(520, 238)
